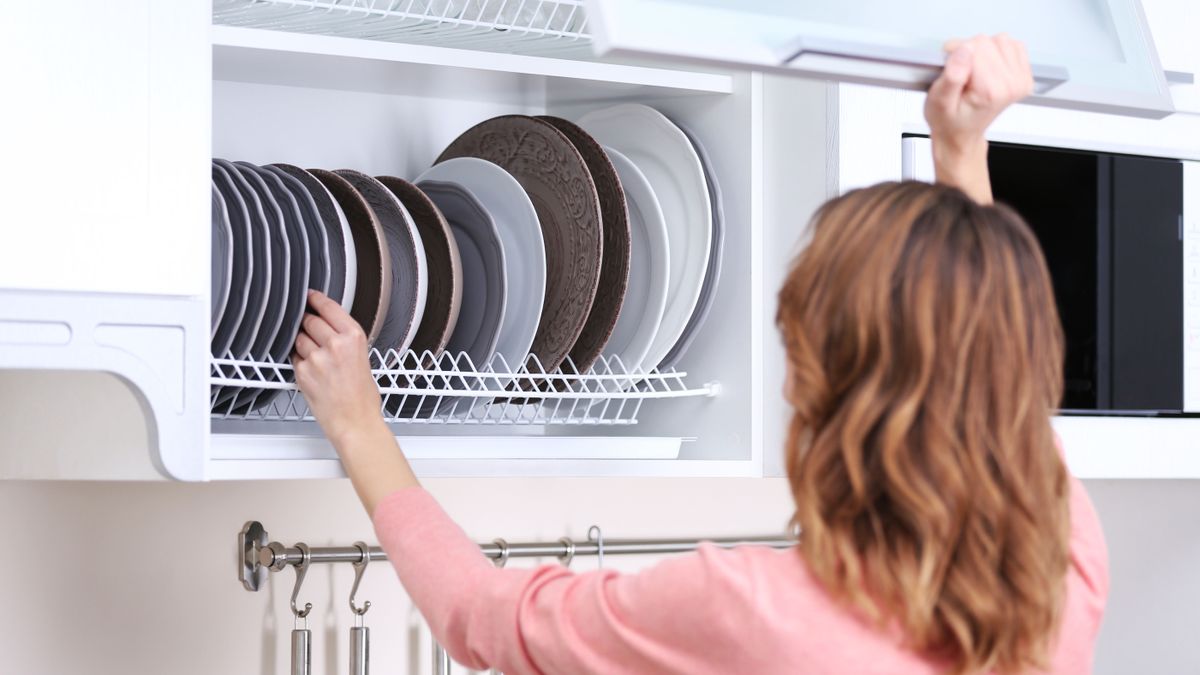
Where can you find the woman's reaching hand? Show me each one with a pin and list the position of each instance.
(982, 77)
(332, 369)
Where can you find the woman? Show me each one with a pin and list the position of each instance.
(940, 531)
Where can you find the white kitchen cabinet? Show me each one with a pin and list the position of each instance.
(119, 282)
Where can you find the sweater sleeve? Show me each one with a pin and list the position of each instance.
(550, 620)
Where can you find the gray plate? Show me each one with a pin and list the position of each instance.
(712, 273)
(484, 283)
(282, 281)
(331, 230)
(241, 247)
(314, 228)
(258, 246)
(294, 231)
(295, 261)
(222, 258)
(262, 278)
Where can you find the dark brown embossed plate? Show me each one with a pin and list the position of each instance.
(614, 267)
(373, 289)
(445, 267)
(409, 278)
(558, 182)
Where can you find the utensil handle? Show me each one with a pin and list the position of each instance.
(302, 652)
(360, 650)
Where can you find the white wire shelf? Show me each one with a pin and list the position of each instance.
(532, 27)
(449, 389)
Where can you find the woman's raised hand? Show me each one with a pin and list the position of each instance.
(982, 77)
(333, 370)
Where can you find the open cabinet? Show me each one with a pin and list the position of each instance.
(118, 282)
(322, 99)
(328, 101)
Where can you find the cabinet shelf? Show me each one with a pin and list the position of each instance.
(451, 390)
(306, 60)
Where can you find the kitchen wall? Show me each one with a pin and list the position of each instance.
(121, 578)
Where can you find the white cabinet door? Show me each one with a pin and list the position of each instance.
(104, 139)
(1088, 54)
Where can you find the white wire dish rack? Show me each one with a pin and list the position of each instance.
(449, 389)
(534, 27)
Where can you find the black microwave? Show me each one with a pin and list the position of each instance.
(1125, 262)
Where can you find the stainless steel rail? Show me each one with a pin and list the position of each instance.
(258, 556)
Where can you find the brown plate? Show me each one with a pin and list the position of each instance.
(614, 267)
(445, 267)
(560, 186)
(408, 278)
(374, 285)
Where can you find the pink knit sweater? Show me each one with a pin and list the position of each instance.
(747, 610)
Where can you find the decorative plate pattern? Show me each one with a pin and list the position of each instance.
(560, 186)
(614, 267)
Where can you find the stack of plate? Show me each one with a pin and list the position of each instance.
(631, 220)
(532, 242)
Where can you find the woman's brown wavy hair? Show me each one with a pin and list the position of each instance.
(925, 357)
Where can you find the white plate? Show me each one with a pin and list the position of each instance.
(649, 268)
(524, 250)
(670, 163)
(712, 275)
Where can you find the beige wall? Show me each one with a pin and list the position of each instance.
(132, 578)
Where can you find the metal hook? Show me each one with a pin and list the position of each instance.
(360, 568)
(503, 559)
(569, 554)
(301, 570)
(597, 535)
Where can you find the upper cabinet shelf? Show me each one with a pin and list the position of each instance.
(277, 57)
(1093, 55)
